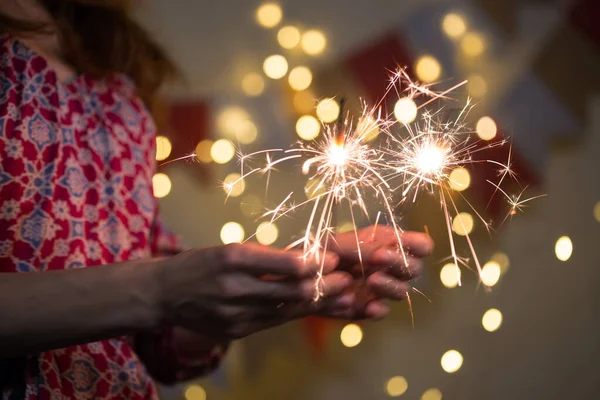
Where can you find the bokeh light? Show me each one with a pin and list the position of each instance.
(597, 211)
(268, 15)
(288, 37)
(233, 185)
(346, 227)
(308, 127)
(459, 179)
(232, 232)
(328, 110)
(163, 148)
(405, 110)
(253, 84)
(351, 335)
(246, 132)
(195, 392)
(472, 44)
(502, 260)
(304, 102)
(300, 78)
(396, 386)
(275, 66)
(161, 185)
(432, 394)
(313, 42)
(491, 320)
(563, 248)
(251, 206)
(454, 25)
(451, 361)
(462, 224)
(450, 275)
(486, 128)
(203, 151)
(490, 273)
(476, 86)
(222, 151)
(230, 118)
(267, 233)
(428, 69)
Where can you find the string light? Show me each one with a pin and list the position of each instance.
(450, 275)
(161, 185)
(313, 42)
(267, 233)
(432, 394)
(460, 179)
(428, 69)
(253, 85)
(451, 361)
(396, 386)
(233, 185)
(163, 148)
(275, 66)
(490, 273)
(351, 335)
(486, 128)
(232, 232)
(563, 248)
(288, 37)
(454, 25)
(300, 78)
(476, 86)
(328, 110)
(472, 44)
(203, 149)
(491, 320)
(268, 15)
(405, 110)
(308, 127)
(195, 392)
(462, 224)
(222, 151)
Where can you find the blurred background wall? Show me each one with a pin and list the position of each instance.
(532, 67)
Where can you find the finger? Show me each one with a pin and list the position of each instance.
(387, 286)
(376, 310)
(261, 260)
(368, 240)
(417, 243)
(402, 266)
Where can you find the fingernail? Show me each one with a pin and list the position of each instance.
(387, 256)
(344, 301)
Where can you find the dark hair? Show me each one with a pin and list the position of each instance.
(100, 38)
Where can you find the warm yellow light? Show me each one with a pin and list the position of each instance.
(222, 151)
(462, 224)
(300, 78)
(472, 44)
(308, 127)
(451, 361)
(476, 86)
(492, 319)
(163, 148)
(486, 128)
(203, 151)
(232, 232)
(233, 185)
(251, 206)
(368, 126)
(563, 248)
(346, 227)
(246, 132)
(275, 66)
(432, 394)
(269, 15)
(454, 25)
(267, 233)
(161, 185)
(490, 273)
(405, 110)
(351, 335)
(428, 69)
(304, 102)
(253, 85)
(502, 260)
(288, 37)
(396, 386)
(450, 275)
(430, 159)
(195, 392)
(314, 188)
(313, 42)
(597, 211)
(328, 110)
(459, 179)
(230, 118)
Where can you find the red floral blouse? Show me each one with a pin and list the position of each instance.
(76, 167)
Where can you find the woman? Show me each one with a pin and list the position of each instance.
(76, 163)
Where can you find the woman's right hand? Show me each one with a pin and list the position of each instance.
(232, 291)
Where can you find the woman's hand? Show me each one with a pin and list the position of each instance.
(232, 291)
(384, 266)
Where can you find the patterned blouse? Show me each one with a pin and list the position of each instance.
(76, 167)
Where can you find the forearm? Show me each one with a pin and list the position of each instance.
(48, 310)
